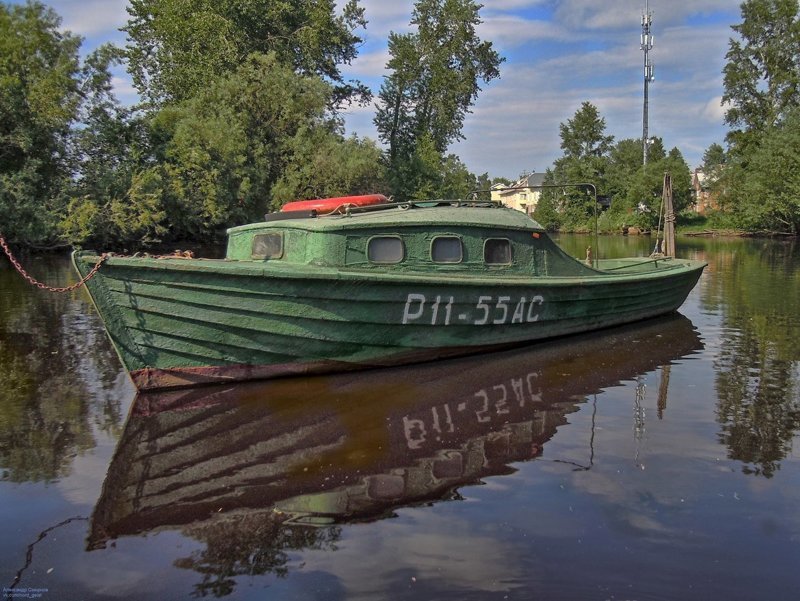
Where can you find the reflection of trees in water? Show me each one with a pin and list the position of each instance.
(757, 286)
(55, 365)
(758, 406)
(250, 545)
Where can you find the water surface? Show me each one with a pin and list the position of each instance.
(655, 461)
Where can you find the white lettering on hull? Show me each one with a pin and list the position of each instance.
(498, 310)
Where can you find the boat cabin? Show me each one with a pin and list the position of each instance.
(440, 238)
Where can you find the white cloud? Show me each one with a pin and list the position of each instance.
(372, 64)
(91, 17)
(614, 14)
(504, 5)
(383, 17)
(512, 30)
(124, 91)
(589, 14)
(714, 110)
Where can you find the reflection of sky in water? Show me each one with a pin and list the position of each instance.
(424, 549)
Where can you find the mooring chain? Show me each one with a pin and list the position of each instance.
(33, 281)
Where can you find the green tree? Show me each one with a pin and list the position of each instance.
(764, 193)
(177, 47)
(246, 143)
(583, 137)
(227, 146)
(483, 184)
(434, 80)
(625, 183)
(681, 175)
(638, 200)
(762, 87)
(457, 181)
(714, 159)
(624, 162)
(547, 209)
(331, 166)
(762, 72)
(586, 156)
(39, 99)
(109, 148)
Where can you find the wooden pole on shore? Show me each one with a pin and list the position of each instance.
(669, 220)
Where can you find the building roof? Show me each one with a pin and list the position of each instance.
(530, 180)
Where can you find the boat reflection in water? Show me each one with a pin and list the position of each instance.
(253, 465)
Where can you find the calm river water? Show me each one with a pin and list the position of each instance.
(654, 462)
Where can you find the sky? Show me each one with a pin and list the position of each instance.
(559, 54)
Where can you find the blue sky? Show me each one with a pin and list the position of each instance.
(559, 53)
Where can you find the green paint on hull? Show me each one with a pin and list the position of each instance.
(180, 322)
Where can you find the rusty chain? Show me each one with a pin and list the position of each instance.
(34, 282)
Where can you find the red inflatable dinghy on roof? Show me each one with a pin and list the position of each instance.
(326, 205)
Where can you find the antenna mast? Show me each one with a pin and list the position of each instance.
(647, 46)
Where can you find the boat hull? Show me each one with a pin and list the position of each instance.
(184, 322)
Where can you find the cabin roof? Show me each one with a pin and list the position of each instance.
(425, 216)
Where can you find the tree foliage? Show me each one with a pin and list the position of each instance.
(242, 130)
(714, 159)
(762, 72)
(762, 86)
(764, 195)
(591, 157)
(585, 160)
(108, 149)
(329, 166)
(178, 46)
(240, 117)
(583, 137)
(434, 79)
(39, 100)
(218, 158)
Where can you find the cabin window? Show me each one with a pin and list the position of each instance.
(385, 249)
(447, 249)
(267, 246)
(497, 251)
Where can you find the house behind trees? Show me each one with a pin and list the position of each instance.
(522, 195)
(706, 198)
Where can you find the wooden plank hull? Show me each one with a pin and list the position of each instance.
(179, 323)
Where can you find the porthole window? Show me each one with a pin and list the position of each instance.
(267, 246)
(497, 251)
(385, 249)
(447, 249)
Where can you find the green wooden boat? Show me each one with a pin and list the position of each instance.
(365, 287)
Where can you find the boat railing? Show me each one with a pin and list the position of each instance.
(634, 264)
(588, 188)
(348, 209)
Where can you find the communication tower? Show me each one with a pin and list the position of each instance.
(647, 46)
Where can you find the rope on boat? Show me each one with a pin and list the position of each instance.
(666, 215)
(41, 286)
(657, 250)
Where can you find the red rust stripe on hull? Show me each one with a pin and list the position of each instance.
(151, 378)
